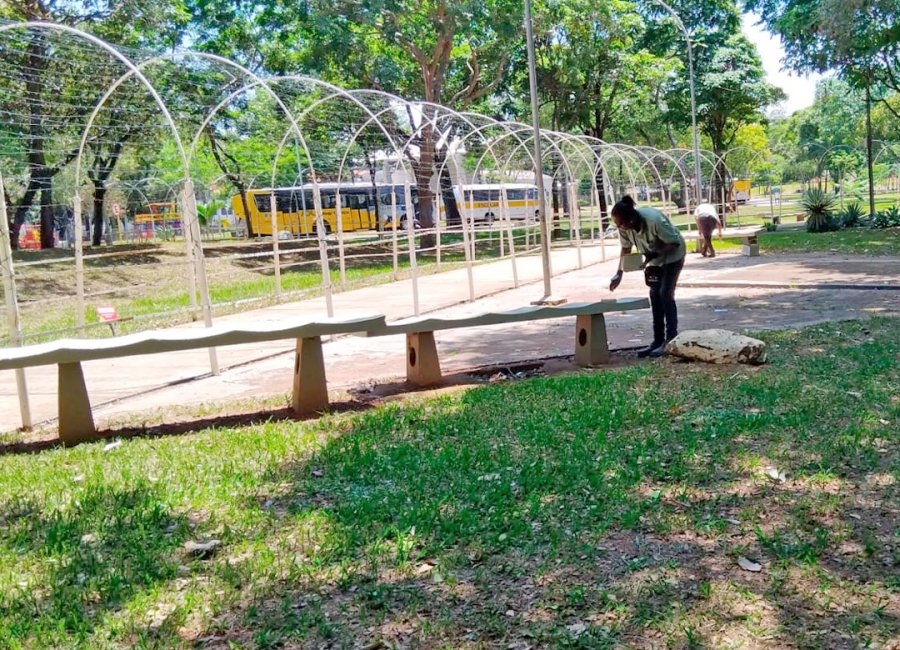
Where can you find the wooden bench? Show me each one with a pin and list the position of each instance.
(76, 423)
(423, 367)
(749, 238)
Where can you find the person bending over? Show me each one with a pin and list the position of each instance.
(662, 245)
(707, 221)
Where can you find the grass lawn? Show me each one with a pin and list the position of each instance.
(604, 509)
(855, 241)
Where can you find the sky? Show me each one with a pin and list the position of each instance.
(800, 90)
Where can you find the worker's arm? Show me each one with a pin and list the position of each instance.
(616, 280)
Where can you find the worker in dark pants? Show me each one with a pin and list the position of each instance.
(662, 245)
(707, 221)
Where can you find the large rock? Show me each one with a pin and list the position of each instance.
(718, 346)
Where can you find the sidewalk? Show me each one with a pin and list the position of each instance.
(729, 291)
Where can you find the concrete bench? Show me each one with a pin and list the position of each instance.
(423, 367)
(76, 423)
(749, 238)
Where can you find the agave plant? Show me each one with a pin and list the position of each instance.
(852, 215)
(817, 206)
(887, 218)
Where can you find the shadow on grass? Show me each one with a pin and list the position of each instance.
(603, 509)
(193, 425)
(112, 545)
(599, 510)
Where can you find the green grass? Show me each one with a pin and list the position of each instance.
(600, 509)
(854, 241)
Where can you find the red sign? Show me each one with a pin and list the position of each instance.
(107, 313)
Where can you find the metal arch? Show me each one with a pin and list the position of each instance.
(104, 46)
(135, 70)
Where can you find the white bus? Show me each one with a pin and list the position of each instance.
(482, 203)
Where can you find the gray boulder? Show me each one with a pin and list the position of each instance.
(718, 346)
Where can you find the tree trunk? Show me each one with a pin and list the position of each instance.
(47, 221)
(869, 163)
(717, 182)
(554, 216)
(424, 169)
(451, 209)
(601, 200)
(97, 219)
(242, 190)
(567, 212)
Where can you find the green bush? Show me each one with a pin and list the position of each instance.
(887, 218)
(851, 216)
(818, 208)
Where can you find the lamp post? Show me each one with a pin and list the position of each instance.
(690, 51)
(547, 299)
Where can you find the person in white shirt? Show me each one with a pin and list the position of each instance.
(707, 220)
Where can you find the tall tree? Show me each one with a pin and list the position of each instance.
(452, 53)
(730, 81)
(593, 73)
(58, 76)
(859, 38)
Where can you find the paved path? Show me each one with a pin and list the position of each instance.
(729, 291)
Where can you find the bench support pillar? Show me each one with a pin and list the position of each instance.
(310, 393)
(591, 345)
(750, 247)
(423, 368)
(76, 424)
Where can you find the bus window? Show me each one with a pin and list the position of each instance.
(283, 202)
(532, 193)
(515, 195)
(263, 203)
(356, 201)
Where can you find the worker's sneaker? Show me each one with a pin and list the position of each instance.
(648, 352)
(658, 351)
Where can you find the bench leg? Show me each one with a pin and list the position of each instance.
(750, 247)
(310, 389)
(423, 368)
(591, 346)
(76, 424)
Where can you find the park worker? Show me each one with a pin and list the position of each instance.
(707, 220)
(662, 246)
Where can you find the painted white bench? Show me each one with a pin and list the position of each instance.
(423, 367)
(76, 422)
(749, 239)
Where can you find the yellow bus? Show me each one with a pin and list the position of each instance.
(296, 215)
(160, 215)
(742, 189)
(484, 204)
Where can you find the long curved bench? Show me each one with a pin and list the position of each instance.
(423, 367)
(76, 422)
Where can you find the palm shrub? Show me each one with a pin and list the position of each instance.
(887, 218)
(817, 206)
(206, 211)
(851, 216)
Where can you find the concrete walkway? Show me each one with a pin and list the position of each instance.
(729, 291)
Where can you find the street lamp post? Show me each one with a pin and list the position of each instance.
(690, 51)
(547, 299)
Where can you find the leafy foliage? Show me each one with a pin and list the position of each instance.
(817, 205)
(889, 218)
(852, 215)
